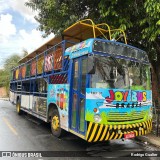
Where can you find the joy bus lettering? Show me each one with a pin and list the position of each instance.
(118, 96)
(123, 95)
(139, 96)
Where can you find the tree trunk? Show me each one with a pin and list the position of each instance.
(156, 75)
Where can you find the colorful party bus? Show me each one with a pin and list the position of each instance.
(87, 81)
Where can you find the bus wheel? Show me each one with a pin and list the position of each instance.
(55, 124)
(18, 107)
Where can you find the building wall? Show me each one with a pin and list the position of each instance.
(3, 92)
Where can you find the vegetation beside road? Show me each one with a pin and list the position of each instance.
(5, 73)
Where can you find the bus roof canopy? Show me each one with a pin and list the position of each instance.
(78, 32)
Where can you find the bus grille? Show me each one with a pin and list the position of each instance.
(124, 116)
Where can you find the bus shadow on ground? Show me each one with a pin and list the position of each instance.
(113, 148)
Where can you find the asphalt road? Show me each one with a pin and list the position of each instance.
(25, 133)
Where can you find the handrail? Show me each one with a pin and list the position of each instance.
(28, 92)
(93, 25)
(101, 33)
(109, 30)
(36, 58)
(124, 35)
(96, 28)
(107, 27)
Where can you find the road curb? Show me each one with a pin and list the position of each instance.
(150, 138)
(4, 99)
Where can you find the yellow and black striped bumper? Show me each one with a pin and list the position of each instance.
(100, 132)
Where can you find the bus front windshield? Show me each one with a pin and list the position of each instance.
(120, 73)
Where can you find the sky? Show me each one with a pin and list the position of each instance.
(18, 29)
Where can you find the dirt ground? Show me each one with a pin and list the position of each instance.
(3, 92)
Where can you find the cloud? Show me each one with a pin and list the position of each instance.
(32, 40)
(13, 39)
(3, 5)
(26, 12)
(7, 29)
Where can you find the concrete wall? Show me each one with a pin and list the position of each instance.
(3, 92)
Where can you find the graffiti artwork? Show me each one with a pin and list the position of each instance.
(114, 104)
(59, 95)
(79, 49)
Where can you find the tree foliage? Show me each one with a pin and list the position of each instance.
(139, 18)
(5, 73)
(11, 62)
(4, 78)
(56, 15)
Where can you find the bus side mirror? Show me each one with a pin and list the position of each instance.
(91, 65)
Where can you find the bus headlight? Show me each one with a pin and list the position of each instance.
(97, 118)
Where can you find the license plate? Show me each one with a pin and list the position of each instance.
(129, 135)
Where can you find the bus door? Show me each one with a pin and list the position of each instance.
(80, 79)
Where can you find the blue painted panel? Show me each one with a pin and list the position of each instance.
(79, 97)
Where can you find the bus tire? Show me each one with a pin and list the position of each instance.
(57, 131)
(18, 107)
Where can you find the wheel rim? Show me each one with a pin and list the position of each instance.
(55, 123)
(18, 107)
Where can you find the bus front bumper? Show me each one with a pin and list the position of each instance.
(100, 132)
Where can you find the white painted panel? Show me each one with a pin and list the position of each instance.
(11, 94)
(34, 104)
(25, 101)
(15, 98)
(40, 105)
(31, 102)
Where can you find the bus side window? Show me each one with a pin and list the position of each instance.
(42, 86)
(36, 86)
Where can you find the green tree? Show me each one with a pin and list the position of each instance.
(6, 74)
(139, 18)
(54, 16)
(11, 62)
(141, 21)
(3, 78)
